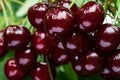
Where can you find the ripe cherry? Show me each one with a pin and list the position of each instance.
(16, 36)
(36, 15)
(76, 43)
(90, 16)
(59, 21)
(89, 64)
(60, 56)
(3, 45)
(26, 58)
(12, 70)
(114, 61)
(107, 37)
(40, 72)
(41, 42)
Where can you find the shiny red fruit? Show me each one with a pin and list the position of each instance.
(108, 74)
(66, 4)
(16, 36)
(60, 56)
(41, 42)
(40, 72)
(3, 45)
(59, 21)
(114, 63)
(107, 37)
(76, 43)
(26, 58)
(12, 70)
(89, 64)
(36, 15)
(90, 16)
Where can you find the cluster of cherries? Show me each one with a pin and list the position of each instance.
(64, 35)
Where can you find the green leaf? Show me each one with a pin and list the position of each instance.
(23, 9)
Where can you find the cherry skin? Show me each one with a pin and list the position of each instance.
(16, 36)
(66, 4)
(3, 45)
(26, 58)
(114, 61)
(78, 42)
(59, 21)
(60, 56)
(89, 64)
(40, 72)
(107, 38)
(12, 70)
(41, 42)
(108, 74)
(90, 16)
(36, 15)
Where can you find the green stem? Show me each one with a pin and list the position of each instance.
(49, 68)
(106, 5)
(10, 8)
(4, 12)
(73, 2)
(24, 21)
(114, 22)
(17, 1)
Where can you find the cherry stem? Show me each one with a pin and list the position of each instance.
(106, 5)
(49, 68)
(25, 20)
(4, 12)
(115, 19)
(73, 1)
(10, 8)
(17, 1)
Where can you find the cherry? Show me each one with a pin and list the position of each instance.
(90, 16)
(16, 36)
(41, 42)
(66, 4)
(26, 58)
(36, 15)
(60, 56)
(40, 72)
(78, 42)
(114, 61)
(108, 74)
(12, 70)
(107, 38)
(3, 45)
(59, 21)
(89, 64)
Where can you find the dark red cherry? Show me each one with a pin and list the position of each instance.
(26, 58)
(41, 42)
(16, 36)
(114, 63)
(107, 37)
(3, 45)
(89, 64)
(36, 15)
(60, 56)
(76, 43)
(66, 4)
(40, 72)
(108, 74)
(59, 21)
(12, 70)
(90, 16)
